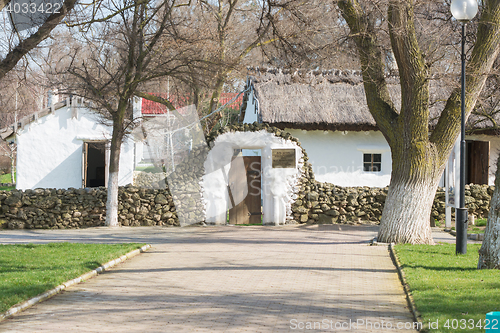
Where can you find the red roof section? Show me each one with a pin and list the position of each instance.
(150, 107)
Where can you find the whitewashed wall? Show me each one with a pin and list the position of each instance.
(337, 157)
(49, 151)
(279, 185)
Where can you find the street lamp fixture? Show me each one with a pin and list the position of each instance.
(463, 11)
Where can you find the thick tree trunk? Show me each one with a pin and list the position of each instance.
(416, 171)
(489, 254)
(418, 159)
(114, 166)
(407, 211)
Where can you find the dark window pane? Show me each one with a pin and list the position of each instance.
(377, 158)
(367, 166)
(367, 158)
(376, 167)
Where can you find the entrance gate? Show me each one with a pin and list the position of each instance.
(264, 188)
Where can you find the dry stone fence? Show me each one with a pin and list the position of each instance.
(149, 204)
(78, 208)
(327, 203)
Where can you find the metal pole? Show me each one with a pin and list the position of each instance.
(461, 213)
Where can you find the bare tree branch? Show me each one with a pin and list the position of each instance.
(26, 45)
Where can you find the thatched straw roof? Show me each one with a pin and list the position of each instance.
(331, 100)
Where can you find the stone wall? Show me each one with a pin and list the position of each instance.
(477, 200)
(77, 208)
(316, 203)
(327, 203)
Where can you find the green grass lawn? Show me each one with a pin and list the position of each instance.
(7, 188)
(447, 287)
(6, 178)
(481, 222)
(474, 230)
(29, 270)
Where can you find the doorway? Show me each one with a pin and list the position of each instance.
(248, 211)
(94, 164)
(477, 159)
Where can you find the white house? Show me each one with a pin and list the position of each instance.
(327, 112)
(67, 146)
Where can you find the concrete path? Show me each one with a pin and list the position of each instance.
(227, 279)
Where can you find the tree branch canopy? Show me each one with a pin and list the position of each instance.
(483, 55)
(372, 65)
(413, 74)
(28, 44)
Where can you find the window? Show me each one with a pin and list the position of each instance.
(372, 162)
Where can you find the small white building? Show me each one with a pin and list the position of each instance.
(67, 145)
(327, 112)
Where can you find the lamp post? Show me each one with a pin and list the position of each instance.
(463, 11)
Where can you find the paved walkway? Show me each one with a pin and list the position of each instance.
(227, 279)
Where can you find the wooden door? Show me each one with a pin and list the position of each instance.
(478, 159)
(247, 211)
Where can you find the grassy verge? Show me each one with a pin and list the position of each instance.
(481, 222)
(6, 178)
(29, 270)
(475, 230)
(7, 188)
(447, 287)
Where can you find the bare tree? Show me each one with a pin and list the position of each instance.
(423, 41)
(226, 34)
(486, 116)
(489, 253)
(419, 34)
(418, 156)
(115, 54)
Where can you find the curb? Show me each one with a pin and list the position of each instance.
(52, 292)
(374, 242)
(409, 297)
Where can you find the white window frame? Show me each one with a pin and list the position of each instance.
(373, 149)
